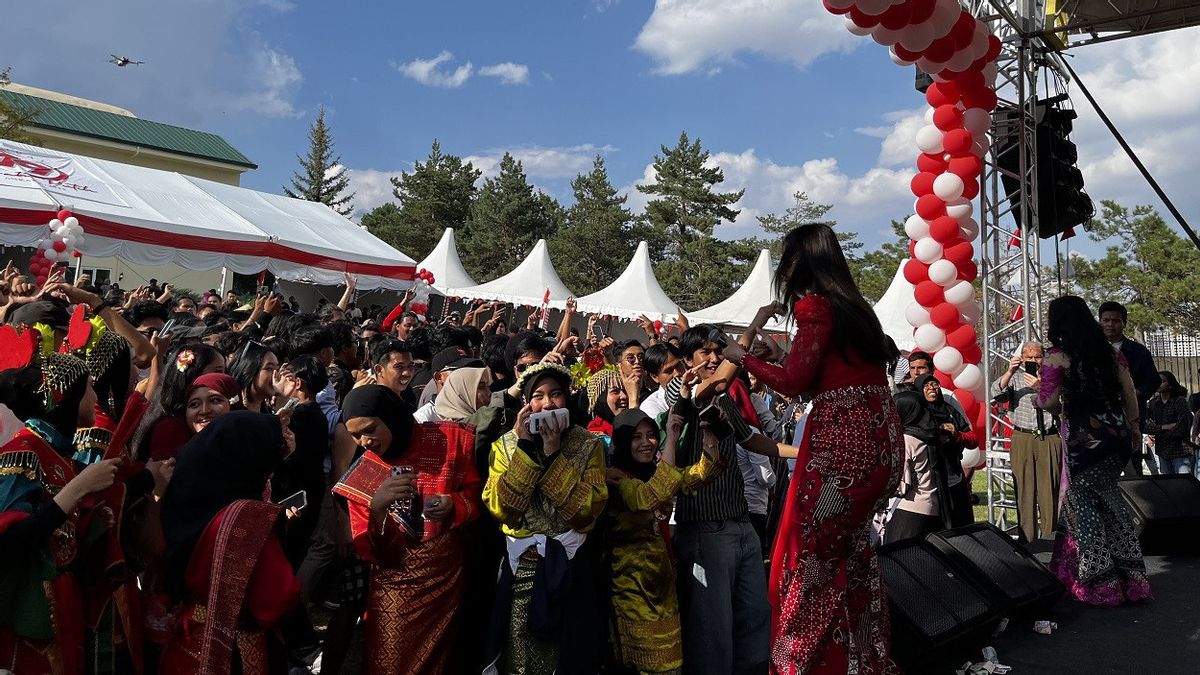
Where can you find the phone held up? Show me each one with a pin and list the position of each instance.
(296, 501)
(537, 419)
(1031, 368)
(407, 512)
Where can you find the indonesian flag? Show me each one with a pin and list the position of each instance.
(545, 322)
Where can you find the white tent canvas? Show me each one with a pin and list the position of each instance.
(738, 310)
(153, 217)
(633, 294)
(525, 285)
(450, 278)
(890, 310)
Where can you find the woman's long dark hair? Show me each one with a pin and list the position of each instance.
(813, 262)
(1093, 372)
(176, 380)
(1177, 389)
(246, 365)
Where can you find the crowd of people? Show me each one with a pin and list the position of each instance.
(223, 488)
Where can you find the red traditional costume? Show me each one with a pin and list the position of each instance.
(829, 609)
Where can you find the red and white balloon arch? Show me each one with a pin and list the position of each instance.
(959, 52)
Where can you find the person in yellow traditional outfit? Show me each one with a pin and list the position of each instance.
(645, 623)
(547, 490)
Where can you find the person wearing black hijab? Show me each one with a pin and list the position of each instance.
(225, 557)
(954, 435)
(922, 507)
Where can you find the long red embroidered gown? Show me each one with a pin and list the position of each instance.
(829, 609)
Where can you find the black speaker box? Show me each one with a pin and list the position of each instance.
(938, 615)
(1015, 583)
(1166, 511)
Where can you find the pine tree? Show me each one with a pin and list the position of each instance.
(13, 120)
(507, 219)
(597, 237)
(437, 194)
(321, 178)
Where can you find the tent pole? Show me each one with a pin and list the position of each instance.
(221, 289)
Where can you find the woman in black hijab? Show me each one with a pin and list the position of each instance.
(954, 435)
(923, 506)
(225, 558)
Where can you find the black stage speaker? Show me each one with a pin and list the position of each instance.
(1166, 510)
(1015, 583)
(938, 616)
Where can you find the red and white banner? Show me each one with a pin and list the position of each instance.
(52, 172)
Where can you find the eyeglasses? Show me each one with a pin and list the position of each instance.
(634, 359)
(522, 367)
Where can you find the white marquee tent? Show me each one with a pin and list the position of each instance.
(633, 294)
(153, 217)
(450, 278)
(525, 285)
(738, 310)
(890, 310)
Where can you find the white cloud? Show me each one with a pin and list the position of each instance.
(277, 79)
(898, 146)
(684, 36)
(542, 161)
(430, 72)
(507, 72)
(371, 188)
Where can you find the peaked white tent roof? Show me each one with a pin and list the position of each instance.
(633, 294)
(154, 217)
(890, 310)
(449, 276)
(739, 309)
(525, 285)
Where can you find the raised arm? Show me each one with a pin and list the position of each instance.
(814, 324)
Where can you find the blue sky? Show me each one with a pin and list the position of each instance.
(781, 94)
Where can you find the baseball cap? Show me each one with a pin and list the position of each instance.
(453, 358)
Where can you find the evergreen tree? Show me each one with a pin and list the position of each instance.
(597, 237)
(321, 178)
(437, 194)
(385, 221)
(507, 219)
(13, 120)
(804, 210)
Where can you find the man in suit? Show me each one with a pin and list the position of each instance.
(1146, 380)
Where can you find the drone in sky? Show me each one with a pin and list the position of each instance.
(122, 61)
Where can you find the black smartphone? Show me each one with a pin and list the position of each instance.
(297, 501)
(1031, 367)
(716, 424)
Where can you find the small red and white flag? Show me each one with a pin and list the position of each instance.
(545, 322)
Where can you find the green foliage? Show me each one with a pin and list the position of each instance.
(14, 121)
(804, 210)
(1150, 268)
(597, 237)
(437, 194)
(507, 219)
(321, 178)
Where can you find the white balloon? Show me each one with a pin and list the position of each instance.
(929, 139)
(927, 250)
(897, 60)
(932, 68)
(873, 7)
(981, 146)
(929, 337)
(917, 37)
(960, 61)
(916, 315)
(854, 28)
(959, 208)
(977, 121)
(969, 228)
(948, 360)
(929, 115)
(71, 221)
(50, 254)
(972, 458)
(959, 292)
(942, 272)
(948, 186)
(979, 42)
(990, 72)
(64, 256)
(916, 228)
(970, 378)
(945, 15)
(55, 223)
(970, 313)
(70, 242)
(885, 36)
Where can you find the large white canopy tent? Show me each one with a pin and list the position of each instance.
(525, 285)
(450, 278)
(634, 294)
(738, 310)
(890, 310)
(153, 217)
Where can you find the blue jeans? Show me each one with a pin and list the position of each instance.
(1184, 465)
(722, 598)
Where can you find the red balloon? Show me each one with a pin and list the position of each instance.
(896, 16)
(940, 50)
(971, 80)
(959, 253)
(968, 270)
(965, 398)
(979, 417)
(77, 254)
(905, 54)
(984, 98)
(960, 338)
(963, 30)
(862, 19)
(63, 214)
(944, 315)
(929, 294)
(970, 189)
(966, 167)
(930, 207)
(933, 164)
(944, 230)
(922, 184)
(835, 10)
(921, 10)
(912, 246)
(947, 117)
(916, 271)
(41, 279)
(972, 353)
(941, 93)
(957, 141)
(59, 245)
(993, 48)
(946, 381)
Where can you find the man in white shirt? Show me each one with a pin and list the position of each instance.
(663, 364)
(444, 362)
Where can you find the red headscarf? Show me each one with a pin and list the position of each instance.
(222, 384)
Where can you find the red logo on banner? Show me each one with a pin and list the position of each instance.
(20, 166)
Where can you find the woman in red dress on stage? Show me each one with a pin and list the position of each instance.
(829, 609)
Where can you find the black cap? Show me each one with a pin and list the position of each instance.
(50, 313)
(453, 358)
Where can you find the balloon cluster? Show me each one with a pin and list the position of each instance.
(422, 282)
(65, 236)
(959, 53)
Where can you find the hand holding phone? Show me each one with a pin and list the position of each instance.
(297, 501)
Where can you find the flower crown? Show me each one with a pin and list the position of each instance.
(542, 367)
